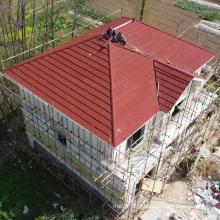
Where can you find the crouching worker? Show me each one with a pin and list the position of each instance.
(110, 33)
(120, 39)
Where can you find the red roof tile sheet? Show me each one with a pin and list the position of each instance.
(134, 91)
(163, 46)
(171, 82)
(109, 89)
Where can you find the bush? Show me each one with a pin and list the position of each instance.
(10, 36)
(60, 23)
(211, 16)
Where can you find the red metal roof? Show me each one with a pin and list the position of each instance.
(172, 82)
(163, 46)
(110, 90)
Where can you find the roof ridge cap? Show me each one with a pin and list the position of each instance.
(134, 51)
(112, 100)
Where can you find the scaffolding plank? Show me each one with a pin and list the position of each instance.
(149, 185)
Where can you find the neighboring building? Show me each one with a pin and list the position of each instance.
(103, 100)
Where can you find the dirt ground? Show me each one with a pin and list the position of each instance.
(174, 200)
(208, 170)
(209, 165)
(214, 141)
(163, 15)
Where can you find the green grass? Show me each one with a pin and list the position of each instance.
(27, 185)
(205, 13)
(22, 184)
(23, 181)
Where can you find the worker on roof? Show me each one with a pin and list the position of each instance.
(110, 33)
(120, 39)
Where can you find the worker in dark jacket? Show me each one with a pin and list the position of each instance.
(111, 33)
(120, 39)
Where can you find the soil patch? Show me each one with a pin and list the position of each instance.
(206, 169)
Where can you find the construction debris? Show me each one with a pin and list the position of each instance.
(199, 183)
(26, 210)
(55, 205)
(206, 198)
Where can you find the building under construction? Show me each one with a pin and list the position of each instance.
(116, 120)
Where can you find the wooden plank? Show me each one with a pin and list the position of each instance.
(148, 185)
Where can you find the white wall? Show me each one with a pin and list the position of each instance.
(75, 134)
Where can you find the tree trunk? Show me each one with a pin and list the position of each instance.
(52, 21)
(33, 32)
(16, 30)
(46, 27)
(142, 10)
(24, 40)
(75, 17)
(11, 28)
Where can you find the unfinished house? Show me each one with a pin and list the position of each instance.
(99, 109)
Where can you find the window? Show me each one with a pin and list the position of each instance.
(136, 138)
(178, 107)
(62, 138)
(138, 187)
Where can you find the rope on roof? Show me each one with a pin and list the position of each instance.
(167, 60)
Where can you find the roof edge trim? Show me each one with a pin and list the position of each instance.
(179, 69)
(205, 63)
